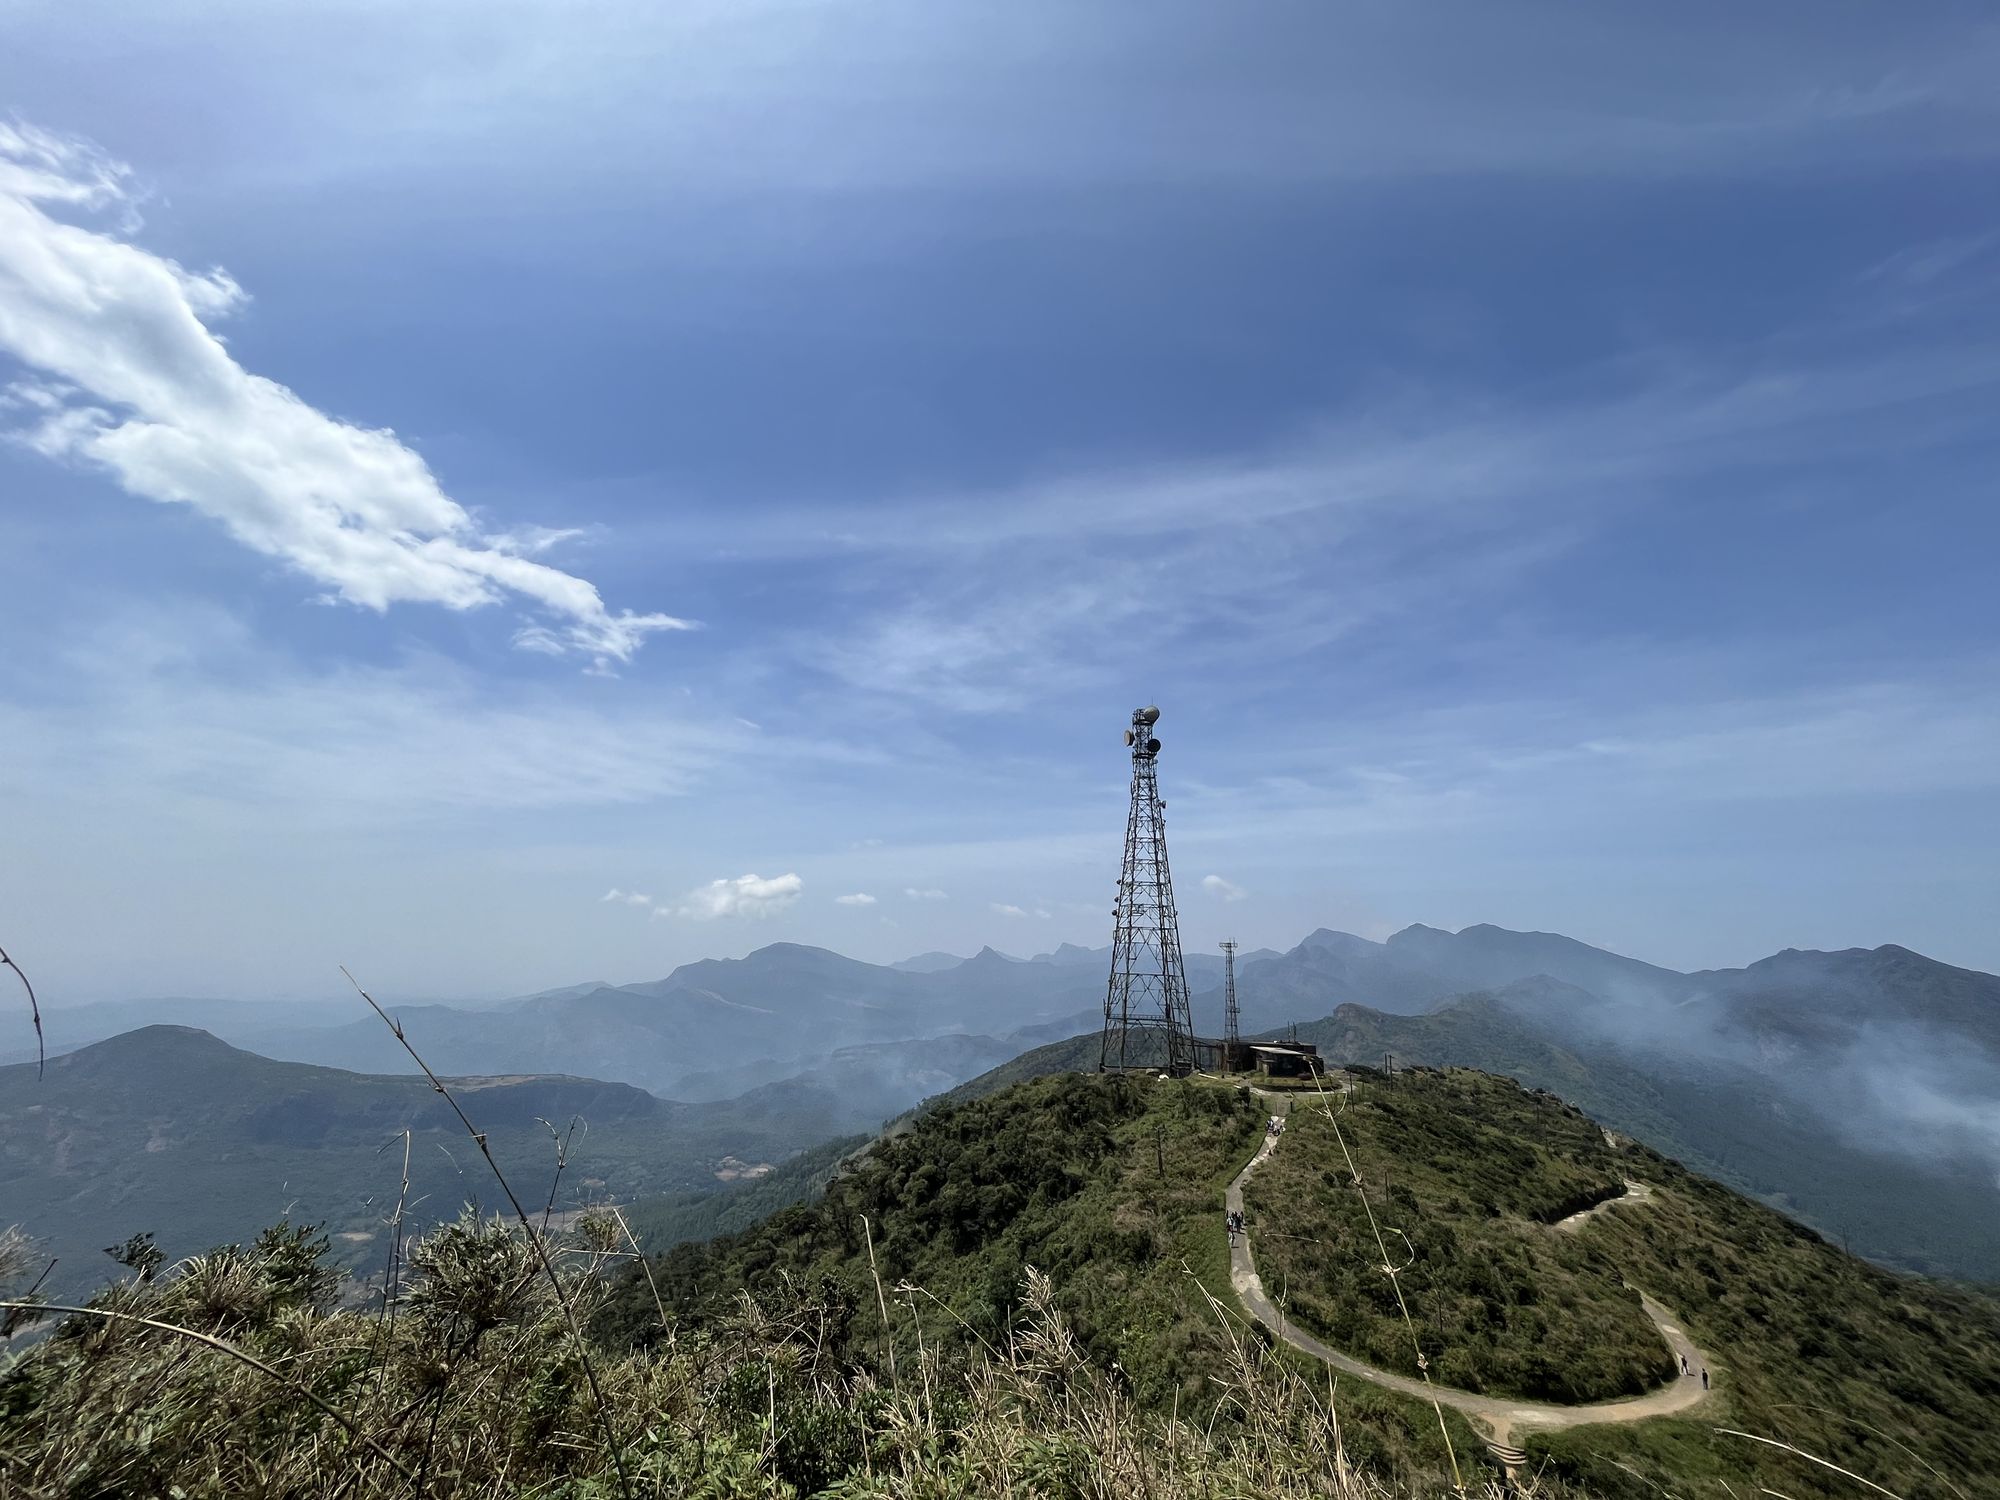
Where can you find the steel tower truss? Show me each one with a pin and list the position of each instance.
(1148, 994)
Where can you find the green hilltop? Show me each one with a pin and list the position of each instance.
(1113, 1187)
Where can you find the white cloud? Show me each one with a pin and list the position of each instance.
(745, 896)
(629, 898)
(1215, 885)
(923, 895)
(859, 898)
(1008, 909)
(134, 384)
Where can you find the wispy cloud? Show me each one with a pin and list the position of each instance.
(1920, 265)
(1215, 885)
(132, 382)
(901, 96)
(859, 898)
(182, 709)
(1422, 507)
(745, 896)
(924, 895)
(629, 898)
(1004, 909)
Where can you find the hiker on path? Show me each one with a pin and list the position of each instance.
(1704, 1378)
(1684, 1366)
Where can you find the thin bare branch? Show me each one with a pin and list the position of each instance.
(34, 1010)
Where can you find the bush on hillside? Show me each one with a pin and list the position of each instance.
(466, 1385)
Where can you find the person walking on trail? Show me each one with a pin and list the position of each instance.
(1684, 1366)
(1704, 1378)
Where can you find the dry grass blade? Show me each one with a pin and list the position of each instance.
(535, 1241)
(15, 1317)
(223, 1346)
(888, 1328)
(1811, 1458)
(34, 1010)
(1392, 1271)
(1904, 1448)
(645, 1265)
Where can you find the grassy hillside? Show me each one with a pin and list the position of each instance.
(474, 1390)
(1110, 1187)
(168, 1131)
(1881, 1373)
(1471, 1171)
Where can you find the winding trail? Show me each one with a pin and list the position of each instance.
(1501, 1415)
(1635, 1192)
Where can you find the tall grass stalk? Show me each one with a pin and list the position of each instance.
(1393, 1272)
(535, 1240)
(1811, 1458)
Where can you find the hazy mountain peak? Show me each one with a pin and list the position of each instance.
(933, 962)
(158, 1040)
(1069, 953)
(1484, 956)
(794, 950)
(990, 956)
(1336, 941)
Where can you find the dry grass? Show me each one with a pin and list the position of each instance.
(229, 1375)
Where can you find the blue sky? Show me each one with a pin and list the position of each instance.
(462, 464)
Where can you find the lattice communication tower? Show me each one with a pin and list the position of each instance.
(1232, 1029)
(1148, 994)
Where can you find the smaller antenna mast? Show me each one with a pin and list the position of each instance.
(1231, 1029)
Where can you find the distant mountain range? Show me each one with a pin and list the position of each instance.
(709, 1030)
(169, 1131)
(1859, 1089)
